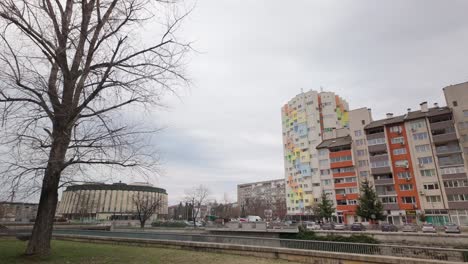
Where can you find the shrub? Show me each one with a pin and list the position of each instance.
(168, 224)
(310, 235)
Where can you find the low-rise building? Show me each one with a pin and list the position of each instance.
(255, 197)
(18, 212)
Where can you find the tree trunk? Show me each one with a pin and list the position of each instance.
(142, 224)
(39, 243)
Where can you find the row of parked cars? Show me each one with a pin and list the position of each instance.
(385, 227)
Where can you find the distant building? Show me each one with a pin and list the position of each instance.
(18, 212)
(108, 201)
(255, 197)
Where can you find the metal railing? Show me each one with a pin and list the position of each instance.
(432, 253)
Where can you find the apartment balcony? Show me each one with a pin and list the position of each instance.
(375, 158)
(391, 206)
(441, 138)
(375, 135)
(442, 125)
(458, 205)
(448, 149)
(385, 192)
(381, 170)
(454, 176)
(452, 160)
(383, 181)
(459, 190)
(377, 148)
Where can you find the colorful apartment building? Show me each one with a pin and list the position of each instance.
(305, 118)
(417, 162)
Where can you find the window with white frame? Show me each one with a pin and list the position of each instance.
(431, 186)
(428, 173)
(420, 136)
(379, 164)
(433, 199)
(452, 170)
(423, 148)
(399, 151)
(417, 124)
(425, 160)
(361, 152)
(395, 129)
(406, 187)
(401, 163)
(457, 197)
(398, 140)
(408, 199)
(375, 141)
(456, 183)
(404, 175)
(358, 133)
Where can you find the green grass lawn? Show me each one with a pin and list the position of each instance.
(67, 252)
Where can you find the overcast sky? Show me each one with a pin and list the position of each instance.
(253, 56)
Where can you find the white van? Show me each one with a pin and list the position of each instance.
(254, 218)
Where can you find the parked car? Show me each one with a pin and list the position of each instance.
(452, 228)
(386, 227)
(312, 226)
(340, 226)
(254, 218)
(428, 228)
(358, 227)
(328, 226)
(410, 228)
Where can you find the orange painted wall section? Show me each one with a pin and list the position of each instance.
(396, 169)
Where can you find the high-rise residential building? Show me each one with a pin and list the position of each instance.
(343, 162)
(418, 166)
(255, 197)
(305, 118)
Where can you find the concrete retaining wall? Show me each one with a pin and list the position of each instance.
(298, 255)
(412, 239)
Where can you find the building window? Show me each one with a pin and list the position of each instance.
(363, 173)
(379, 164)
(401, 163)
(406, 187)
(375, 141)
(408, 200)
(358, 133)
(465, 113)
(420, 136)
(417, 124)
(323, 162)
(326, 182)
(425, 160)
(423, 148)
(456, 183)
(360, 142)
(433, 199)
(389, 200)
(340, 159)
(361, 152)
(395, 129)
(452, 170)
(324, 172)
(399, 151)
(398, 140)
(431, 186)
(428, 173)
(457, 197)
(363, 122)
(455, 103)
(404, 175)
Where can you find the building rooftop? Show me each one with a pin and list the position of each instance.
(412, 115)
(115, 186)
(335, 142)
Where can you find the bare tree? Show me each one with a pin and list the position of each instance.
(256, 206)
(67, 69)
(146, 206)
(197, 197)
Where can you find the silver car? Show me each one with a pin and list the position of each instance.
(452, 228)
(428, 228)
(410, 228)
(340, 226)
